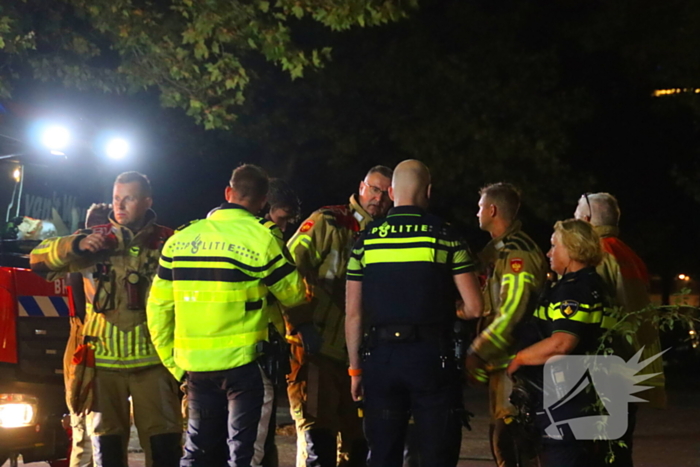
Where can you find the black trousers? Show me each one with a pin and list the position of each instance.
(230, 407)
(403, 379)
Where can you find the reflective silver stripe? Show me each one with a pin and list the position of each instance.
(126, 362)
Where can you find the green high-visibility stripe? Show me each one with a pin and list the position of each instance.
(126, 362)
(405, 255)
(375, 241)
(593, 316)
(304, 239)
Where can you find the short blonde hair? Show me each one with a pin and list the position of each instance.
(581, 241)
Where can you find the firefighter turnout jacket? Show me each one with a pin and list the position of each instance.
(627, 279)
(116, 281)
(515, 270)
(208, 306)
(321, 249)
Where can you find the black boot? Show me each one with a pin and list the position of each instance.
(166, 449)
(108, 451)
(321, 448)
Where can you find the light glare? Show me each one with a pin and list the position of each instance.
(16, 415)
(117, 148)
(56, 138)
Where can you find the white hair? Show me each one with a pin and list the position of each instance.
(604, 209)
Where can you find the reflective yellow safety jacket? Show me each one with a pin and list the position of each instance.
(515, 270)
(208, 307)
(114, 322)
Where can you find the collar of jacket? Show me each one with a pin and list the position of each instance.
(229, 211)
(126, 236)
(607, 230)
(497, 243)
(399, 210)
(574, 276)
(363, 218)
(488, 254)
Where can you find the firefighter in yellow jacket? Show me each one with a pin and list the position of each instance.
(208, 315)
(318, 384)
(515, 270)
(118, 261)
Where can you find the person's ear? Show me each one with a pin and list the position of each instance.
(430, 189)
(391, 193)
(149, 202)
(493, 210)
(227, 193)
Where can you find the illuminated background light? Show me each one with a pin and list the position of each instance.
(16, 415)
(55, 138)
(117, 148)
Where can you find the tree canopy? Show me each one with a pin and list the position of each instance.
(559, 98)
(196, 53)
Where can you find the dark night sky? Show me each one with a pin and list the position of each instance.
(624, 145)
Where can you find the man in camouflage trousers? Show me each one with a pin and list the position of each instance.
(318, 384)
(515, 270)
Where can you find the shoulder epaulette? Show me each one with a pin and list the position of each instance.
(340, 216)
(266, 223)
(336, 210)
(271, 226)
(184, 226)
(517, 242)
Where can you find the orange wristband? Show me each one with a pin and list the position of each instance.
(355, 371)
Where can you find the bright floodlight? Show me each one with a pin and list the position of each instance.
(55, 137)
(117, 148)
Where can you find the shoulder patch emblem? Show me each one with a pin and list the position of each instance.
(306, 226)
(569, 308)
(516, 264)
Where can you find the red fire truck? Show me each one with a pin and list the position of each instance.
(42, 193)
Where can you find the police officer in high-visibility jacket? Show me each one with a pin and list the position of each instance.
(401, 290)
(208, 313)
(514, 268)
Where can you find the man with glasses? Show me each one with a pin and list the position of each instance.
(627, 280)
(318, 384)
